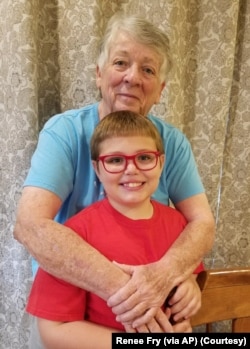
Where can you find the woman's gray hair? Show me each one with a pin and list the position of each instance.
(141, 31)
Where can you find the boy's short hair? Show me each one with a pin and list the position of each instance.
(124, 123)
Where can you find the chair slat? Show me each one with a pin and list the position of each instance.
(225, 296)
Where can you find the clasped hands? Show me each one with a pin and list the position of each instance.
(139, 304)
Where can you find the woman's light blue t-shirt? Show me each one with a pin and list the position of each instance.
(61, 163)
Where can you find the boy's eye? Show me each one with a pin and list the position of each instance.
(115, 160)
(145, 157)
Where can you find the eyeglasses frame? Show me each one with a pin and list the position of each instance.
(129, 157)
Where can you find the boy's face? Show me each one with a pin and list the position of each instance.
(132, 187)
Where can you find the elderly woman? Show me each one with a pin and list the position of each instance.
(131, 74)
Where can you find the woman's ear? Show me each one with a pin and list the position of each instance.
(158, 98)
(98, 77)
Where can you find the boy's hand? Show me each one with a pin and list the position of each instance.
(186, 300)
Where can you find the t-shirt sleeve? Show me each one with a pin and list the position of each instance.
(182, 174)
(54, 299)
(52, 164)
(199, 268)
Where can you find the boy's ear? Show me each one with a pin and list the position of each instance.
(162, 159)
(95, 166)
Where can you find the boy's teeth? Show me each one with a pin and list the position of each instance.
(132, 184)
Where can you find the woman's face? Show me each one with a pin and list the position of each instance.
(130, 79)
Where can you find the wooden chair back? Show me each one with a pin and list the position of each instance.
(225, 296)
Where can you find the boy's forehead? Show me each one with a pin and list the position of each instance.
(133, 142)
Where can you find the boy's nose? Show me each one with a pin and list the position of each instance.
(130, 167)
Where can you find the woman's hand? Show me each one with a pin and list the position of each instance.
(138, 302)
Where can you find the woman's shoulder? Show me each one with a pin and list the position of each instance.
(166, 128)
(73, 116)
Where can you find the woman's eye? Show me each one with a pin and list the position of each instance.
(149, 71)
(120, 63)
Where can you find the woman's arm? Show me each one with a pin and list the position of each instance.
(59, 250)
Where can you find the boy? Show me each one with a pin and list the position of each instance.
(127, 227)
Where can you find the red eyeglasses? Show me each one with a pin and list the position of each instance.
(116, 163)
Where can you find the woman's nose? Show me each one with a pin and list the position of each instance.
(133, 75)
